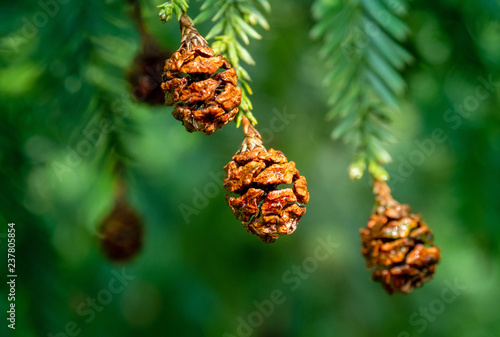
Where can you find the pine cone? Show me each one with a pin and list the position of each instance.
(199, 84)
(255, 173)
(120, 233)
(398, 244)
(145, 75)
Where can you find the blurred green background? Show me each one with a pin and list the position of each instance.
(204, 275)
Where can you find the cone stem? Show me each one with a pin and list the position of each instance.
(190, 35)
(252, 136)
(381, 188)
(248, 129)
(120, 183)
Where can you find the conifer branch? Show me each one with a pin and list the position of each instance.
(362, 52)
(167, 9)
(234, 21)
(113, 111)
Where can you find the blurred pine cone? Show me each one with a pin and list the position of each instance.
(199, 84)
(145, 75)
(398, 244)
(120, 233)
(255, 173)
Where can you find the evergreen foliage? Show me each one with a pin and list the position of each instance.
(56, 78)
(233, 24)
(362, 50)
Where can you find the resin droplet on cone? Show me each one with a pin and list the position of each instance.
(398, 245)
(199, 84)
(255, 173)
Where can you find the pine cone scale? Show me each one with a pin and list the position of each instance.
(228, 76)
(277, 174)
(199, 91)
(230, 97)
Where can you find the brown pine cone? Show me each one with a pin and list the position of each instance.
(398, 244)
(120, 233)
(255, 173)
(199, 84)
(145, 75)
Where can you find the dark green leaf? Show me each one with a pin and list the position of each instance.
(390, 77)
